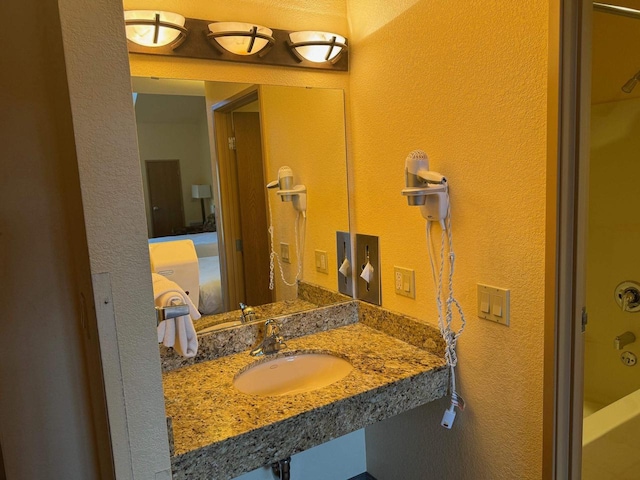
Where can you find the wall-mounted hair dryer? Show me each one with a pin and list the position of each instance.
(429, 190)
(425, 188)
(289, 193)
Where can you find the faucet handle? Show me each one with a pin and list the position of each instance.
(247, 314)
(273, 328)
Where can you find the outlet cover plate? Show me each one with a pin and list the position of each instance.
(404, 280)
(321, 261)
(343, 251)
(367, 245)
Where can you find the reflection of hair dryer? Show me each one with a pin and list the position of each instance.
(424, 187)
(288, 192)
(284, 182)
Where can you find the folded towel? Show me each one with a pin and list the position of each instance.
(178, 333)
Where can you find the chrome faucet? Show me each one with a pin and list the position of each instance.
(622, 340)
(247, 314)
(272, 341)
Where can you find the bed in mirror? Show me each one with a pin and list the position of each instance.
(208, 151)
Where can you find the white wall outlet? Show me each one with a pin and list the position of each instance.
(405, 282)
(493, 304)
(284, 252)
(321, 261)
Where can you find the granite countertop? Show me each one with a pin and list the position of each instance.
(219, 432)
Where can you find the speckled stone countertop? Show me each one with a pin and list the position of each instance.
(220, 433)
(309, 297)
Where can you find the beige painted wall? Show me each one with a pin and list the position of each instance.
(303, 128)
(46, 427)
(468, 86)
(111, 184)
(186, 142)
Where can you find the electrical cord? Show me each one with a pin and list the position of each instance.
(445, 321)
(299, 244)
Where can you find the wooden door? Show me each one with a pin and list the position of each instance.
(165, 197)
(253, 208)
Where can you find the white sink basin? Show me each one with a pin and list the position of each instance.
(293, 374)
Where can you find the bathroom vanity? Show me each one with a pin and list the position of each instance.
(219, 432)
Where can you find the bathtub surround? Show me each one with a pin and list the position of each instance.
(220, 431)
(611, 449)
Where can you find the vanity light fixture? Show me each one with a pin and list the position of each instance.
(241, 38)
(151, 28)
(317, 47)
(156, 33)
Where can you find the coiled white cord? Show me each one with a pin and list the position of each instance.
(299, 243)
(445, 321)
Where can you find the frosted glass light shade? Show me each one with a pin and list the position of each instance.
(317, 47)
(241, 38)
(151, 28)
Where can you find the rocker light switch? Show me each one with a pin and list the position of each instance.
(484, 302)
(493, 304)
(496, 305)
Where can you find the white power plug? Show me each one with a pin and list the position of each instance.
(449, 417)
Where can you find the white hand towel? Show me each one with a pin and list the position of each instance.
(178, 333)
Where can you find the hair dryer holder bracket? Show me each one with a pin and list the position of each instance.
(297, 195)
(432, 200)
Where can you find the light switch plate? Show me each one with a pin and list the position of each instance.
(493, 304)
(404, 280)
(367, 245)
(284, 252)
(321, 261)
(343, 251)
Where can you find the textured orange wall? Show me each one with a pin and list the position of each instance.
(466, 82)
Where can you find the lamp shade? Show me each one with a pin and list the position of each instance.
(151, 28)
(241, 38)
(317, 47)
(200, 191)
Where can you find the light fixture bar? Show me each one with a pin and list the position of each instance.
(206, 44)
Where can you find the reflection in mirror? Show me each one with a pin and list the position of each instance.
(207, 152)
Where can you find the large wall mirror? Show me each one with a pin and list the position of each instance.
(208, 150)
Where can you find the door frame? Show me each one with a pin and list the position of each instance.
(566, 226)
(229, 229)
